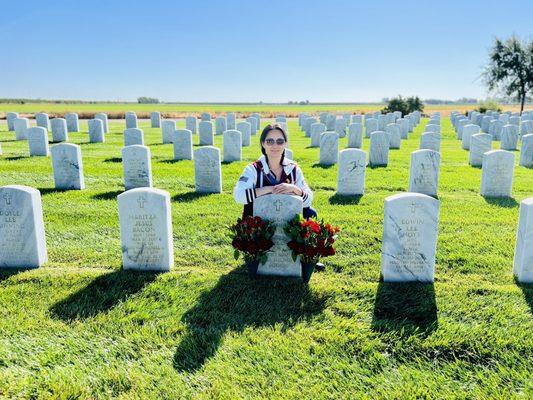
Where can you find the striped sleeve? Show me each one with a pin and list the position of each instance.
(307, 194)
(244, 191)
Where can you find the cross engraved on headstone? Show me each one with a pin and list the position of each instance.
(7, 198)
(414, 206)
(141, 200)
(278, 205)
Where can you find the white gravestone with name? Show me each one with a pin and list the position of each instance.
(497, 174)
(404, 127)
(355, 136)
(73, 124)
(509, 137)
(96, 131)
(254, 122)
(220, 125)
(279, 209)
(21, 126)
(395, 136)
(133, 136)
(207, 170)
(409, 244)
(523, 253)
(307, 125)
(205, 129)
(230, 121)
(351, 175)
(526, 151)
(22, 237)
(205, 116)
(468, 131)
(38, 141)
(257, 117)
(379, 149)
(146, 229)
(371, 125)
(10, 118)
(42, 120)
(424, 172)
(59, 130)
(329, 148)
(245, 128)
(430, 141)
(190, 124)
(105, 122)
(155, 119)
(136, 165)
(182, 143)
(232, 145)
(432, 128)
(167, 129)
(330, 123)
(68, 166)
(317, 129)
(131, 120)
(340, 127)
(480, 143)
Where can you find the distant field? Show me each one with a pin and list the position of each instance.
(177, 110)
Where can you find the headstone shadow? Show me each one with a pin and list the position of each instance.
(7, 273)
(14, 158)
(504, 202)
(45, 191)
(236, 303)
(345, 199)
(189, 196)
(113, 160)
(527, 290)
(322, 166)
(102, 294)
(111, 195)
(408, 308)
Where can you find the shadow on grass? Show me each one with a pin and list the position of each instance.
(406, 308)
(504, 202)
(113, 160)
(45, 191)
(318, 165)
(102, 294)
(14, 158)
(172, 161)
(345, 199)
(527, 290)
(189, 196)
(111, 195)
(377, 166)
(235, 303)
(7, 273)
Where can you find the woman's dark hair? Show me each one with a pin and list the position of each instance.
(264, 134)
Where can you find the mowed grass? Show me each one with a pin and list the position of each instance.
(81, 328)
(182, 109)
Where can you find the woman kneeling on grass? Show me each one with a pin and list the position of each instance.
(272, 173)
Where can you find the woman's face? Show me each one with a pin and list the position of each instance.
(271, 145)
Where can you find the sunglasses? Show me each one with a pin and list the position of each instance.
(279, 142)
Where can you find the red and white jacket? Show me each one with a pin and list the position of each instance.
(257, 175)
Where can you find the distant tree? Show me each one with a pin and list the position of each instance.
(510, 68)
(147, 100)
(487, 105)
(406, 106)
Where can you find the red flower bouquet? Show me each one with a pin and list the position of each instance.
(252, 236)
(310, 239)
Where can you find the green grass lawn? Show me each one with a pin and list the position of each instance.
(81, 328)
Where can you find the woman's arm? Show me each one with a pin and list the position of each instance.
(244, 191)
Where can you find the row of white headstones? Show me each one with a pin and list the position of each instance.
(411, 268)
(408, 245)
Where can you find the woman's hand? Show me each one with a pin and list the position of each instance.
(286, 188)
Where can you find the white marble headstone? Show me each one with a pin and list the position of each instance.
(155, 119)
(395, 136)
(523, 254)
(167, 129)
(182, 143)
(68, 166)
(42, 120)
(355, 135)
(316, 130)
(131, 120)
(136, 166)
(509, 137)
(220, 125)
(230, 121)
(133, 136)
(379, 148)
(245, 128)
(105, 122)
(371, 125)
(207, 170)
(424, 172)
(279, 208)
(480, 143)
(351, 175)
(190, 124)
(96, 131)
(232, 145)
(73, 124)
(205, 129)
(410, 230)
(146, 229)
(59, 130)
(329, 148)
(467, 132)
(10, 118)
(430, 140)
(21, 126)
(38, 141)
(22, 237)
(526, 151)
(497, 174)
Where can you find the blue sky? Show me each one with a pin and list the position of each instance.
(249, 51)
